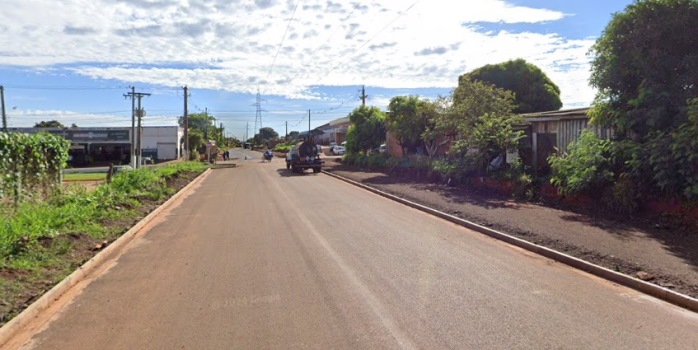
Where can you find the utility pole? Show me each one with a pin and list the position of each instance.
(132, 95)
(138, 137)
(2, 101)
(363, 96)
(308, 122)
(286, 138)
(207, 122)
(247, 131)
(186, 124)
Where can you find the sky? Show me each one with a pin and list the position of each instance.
(74, 60)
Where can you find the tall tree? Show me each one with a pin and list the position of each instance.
(200, 121)
(645, 67)
(367, 131)
(49, 124)
(438, 132)
(406, 121)
(266, 134)
(483, 117)
(534, 91)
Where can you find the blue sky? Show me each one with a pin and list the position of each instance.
(73, 60)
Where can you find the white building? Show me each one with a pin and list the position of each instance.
(99, 146)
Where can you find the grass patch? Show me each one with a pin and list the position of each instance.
(85, 177)
(44, 240)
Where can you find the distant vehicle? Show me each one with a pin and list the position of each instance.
(246, 145)
(304, 155)
(383, 148)
(339, 150)
(268, 155)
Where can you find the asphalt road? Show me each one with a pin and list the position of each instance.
(256, 257)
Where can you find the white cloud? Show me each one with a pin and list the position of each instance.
(230, 45)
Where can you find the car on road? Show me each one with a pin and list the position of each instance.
(339, 150)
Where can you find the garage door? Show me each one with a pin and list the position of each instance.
(167, 151)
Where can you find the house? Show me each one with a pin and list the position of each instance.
(334, 131)
(552, 132)
(545, 133)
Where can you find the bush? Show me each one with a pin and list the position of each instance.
(75, 210)
(280, 147)
(587, 167)
(30, 163)
(373, 161)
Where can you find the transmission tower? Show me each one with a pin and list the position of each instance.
(258, 116)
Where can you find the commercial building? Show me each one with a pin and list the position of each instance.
(101, 146)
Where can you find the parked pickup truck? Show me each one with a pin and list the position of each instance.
(304, 155)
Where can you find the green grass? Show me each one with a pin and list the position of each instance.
(73, 210)
(42, 241)
(85, 177)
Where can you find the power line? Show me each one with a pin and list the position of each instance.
(328, 39)
(38, 87)
(369, 40)
(282, 39)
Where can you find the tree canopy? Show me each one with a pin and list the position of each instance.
(534, 91)
(645, 66)
(482, 115)
(50, 124)
(367, 131)
(406, 120)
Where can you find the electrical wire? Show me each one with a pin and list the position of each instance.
(283, 38)
(402, 13)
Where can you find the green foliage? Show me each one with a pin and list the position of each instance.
(75, 210)
(534, 91)
(482, 115)
(204, 123)
(50, 124)
(265, 134)
(196, 141)
(587, 167)
(407, 120)
(280, 147)
(645, 67)
(646, 70)
(372, 161)
(673, 156)
(30, 163)
(622, 196)
(437, 126)
(293, 135)
(367, 131)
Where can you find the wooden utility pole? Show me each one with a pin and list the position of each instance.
(186, 124)
(308, 122)
(2, 101)
(139, 137)
(132, 94)
(363, 95)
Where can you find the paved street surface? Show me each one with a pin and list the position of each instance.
(256, 257)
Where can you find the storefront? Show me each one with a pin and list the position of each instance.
(104, 146)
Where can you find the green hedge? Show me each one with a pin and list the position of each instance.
(30, 163)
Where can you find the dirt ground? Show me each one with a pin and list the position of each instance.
(652, 249)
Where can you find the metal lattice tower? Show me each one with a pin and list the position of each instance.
(258, 116)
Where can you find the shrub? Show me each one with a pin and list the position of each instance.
(587, 167)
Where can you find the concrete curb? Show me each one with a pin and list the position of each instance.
(654, 290)
(20, 321)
